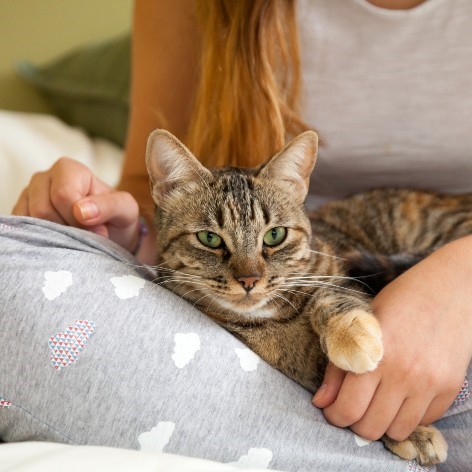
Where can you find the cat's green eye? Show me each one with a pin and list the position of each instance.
(210, 239)
(275, 236)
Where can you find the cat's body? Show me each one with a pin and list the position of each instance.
(239, 245)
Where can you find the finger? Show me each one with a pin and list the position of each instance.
(407, 418)
(382, 411)
(70, 182)
(39, 200)
(438, 407)
(118, 210)
(21, 206)
(101, 230)
(115, 208)
(332, 382)
(353, 399)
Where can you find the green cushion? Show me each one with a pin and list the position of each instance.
(88, 87)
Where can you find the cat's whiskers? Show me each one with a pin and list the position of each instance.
(139, 266)
(181, 278)
(319, 283)
(181, 281)
(180, 274)
(272, 299)
(278, 295)
(297, 292)
(190, 291)
(180, 284)
(300, 292)
(165, 281)
(213, 298)
(156, 267)
(305, 275)
(308, 283)
(293, 292)
(177, 275)
(328, 255)
(173, 271)
(310, 277)
(201, 298)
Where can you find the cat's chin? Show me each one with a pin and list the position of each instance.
(249, 308)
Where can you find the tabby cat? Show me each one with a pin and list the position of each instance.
(239, 245)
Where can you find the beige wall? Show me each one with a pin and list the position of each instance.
(41, 30)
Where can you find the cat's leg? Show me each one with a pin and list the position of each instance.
(349, 333)
(426, 445)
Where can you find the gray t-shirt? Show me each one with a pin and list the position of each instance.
(389, 91)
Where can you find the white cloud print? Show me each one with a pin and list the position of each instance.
(186, 345)
(56, 283)
(127, 286)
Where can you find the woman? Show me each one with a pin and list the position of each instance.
(383, 80)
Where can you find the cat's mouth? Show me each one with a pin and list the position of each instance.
(247, 299)
(248, 305)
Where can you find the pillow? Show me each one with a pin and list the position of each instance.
(88, 87)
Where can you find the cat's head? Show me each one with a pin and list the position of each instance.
(228, 238)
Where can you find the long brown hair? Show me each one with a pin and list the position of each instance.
(249, 93)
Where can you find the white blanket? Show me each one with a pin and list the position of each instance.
(31, 142)
(48, 457)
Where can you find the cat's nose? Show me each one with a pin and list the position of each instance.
(248, 281)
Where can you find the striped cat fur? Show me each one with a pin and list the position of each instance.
(295, 287)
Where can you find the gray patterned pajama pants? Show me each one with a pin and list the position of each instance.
(93, 352)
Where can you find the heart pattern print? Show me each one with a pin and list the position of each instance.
(4, 403)
(65, 347)
(463, 395)
(413, 466)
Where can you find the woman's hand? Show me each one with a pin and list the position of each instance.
(70, 194)
(426, 319)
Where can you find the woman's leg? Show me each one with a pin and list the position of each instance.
(93, 352)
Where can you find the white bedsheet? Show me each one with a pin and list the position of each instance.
(48, 457)
(32, 142)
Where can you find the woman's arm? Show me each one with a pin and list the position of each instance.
(164, 78)
(165, 58)
(426, 318)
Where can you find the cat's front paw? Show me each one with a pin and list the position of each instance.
(425, 444)
(354, 341)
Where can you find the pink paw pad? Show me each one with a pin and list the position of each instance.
(66, 347)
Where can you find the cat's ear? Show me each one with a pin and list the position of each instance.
(170, 165)
(294, 163)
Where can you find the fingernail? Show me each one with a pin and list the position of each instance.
(319, 394)
(88, 210)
